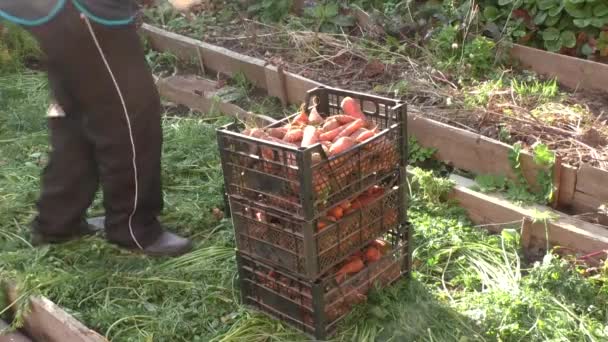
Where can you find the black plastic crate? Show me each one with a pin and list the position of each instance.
(308, 249)
(303, 181)
(316, 308)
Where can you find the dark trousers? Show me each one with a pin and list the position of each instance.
(93, 143)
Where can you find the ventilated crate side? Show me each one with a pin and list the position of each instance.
(310, 248)
(317, 308)
(303, 181)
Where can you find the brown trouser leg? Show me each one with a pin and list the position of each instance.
(94, 142)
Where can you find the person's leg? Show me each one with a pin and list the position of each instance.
(127, 144)
(69, 182)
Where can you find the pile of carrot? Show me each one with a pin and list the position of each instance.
(336, 133)
(346, 207)
(357, 262)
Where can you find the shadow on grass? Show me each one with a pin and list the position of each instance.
(408, 311)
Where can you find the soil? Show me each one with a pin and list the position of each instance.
(338, 60)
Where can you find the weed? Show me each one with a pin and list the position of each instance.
(16, 47)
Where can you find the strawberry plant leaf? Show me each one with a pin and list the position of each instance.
(553, 45)
(504, 2)
(491, 13)
(546, 4)
(578, 11)
(540, 17)
(582, 23)
(551, 34)
(599, 22)
(552, 21)
(600, 10)
(568, 39)
(556, 10)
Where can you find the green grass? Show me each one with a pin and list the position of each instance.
(467, 285)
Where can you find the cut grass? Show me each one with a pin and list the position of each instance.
(467, 285)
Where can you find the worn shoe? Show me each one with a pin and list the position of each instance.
(86, 229)
(168, 244)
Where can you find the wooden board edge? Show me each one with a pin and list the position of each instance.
(47, 322)
(572, 72)
(563, 231)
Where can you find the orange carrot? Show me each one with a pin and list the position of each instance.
(310, 136)
(341, 145)
(258, 133)
(331, 124)
(294, 135)
(278, 132)
(302, 117)
(337, 212)
(381, 246)
(321, 225)
(261, 217)
(350, 129)
(344, 119)
(354, 265)
(357, 132)
(352, 108)
(372, 254)
(364, 136)
(345, 205)
(331, 135)
(315, 118)
(246, 132)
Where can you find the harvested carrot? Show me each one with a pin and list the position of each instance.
(354, 265)
(321, 225)
(331, 124)
(356, 133)
(381, 246)
(337, 212)
(246, 132)
(345, 205)
(352, 108)
(331, 135)
(344, 119)
(258, 133)
(372, 254)
(302, 117)
(341, 145)
(363, 136)
(294, 135)
(310, 136)
(350, 129)
(315, 118)
(278, 132)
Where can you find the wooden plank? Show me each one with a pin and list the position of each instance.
(198, 94)
(297, 86)
(469, 151)
(47, 322)
(593, 182)
(567, 185)
(215, 58)
(564, 231)
(13, 336)
(569, 71)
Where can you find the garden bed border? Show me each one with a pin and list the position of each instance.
(45, 321)
(577, 188)
(460, 148)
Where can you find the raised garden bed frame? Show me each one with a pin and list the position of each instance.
(579, 190)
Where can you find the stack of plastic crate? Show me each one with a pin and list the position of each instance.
(282, 199)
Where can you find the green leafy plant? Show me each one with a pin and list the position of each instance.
(574, 27)
(271, 10)
(417, 153)
(326, 17)
(491, 183)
